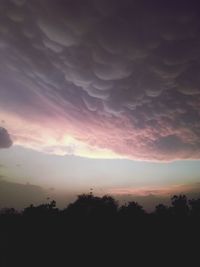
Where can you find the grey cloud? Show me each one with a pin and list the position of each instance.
(5, 140)
(56, 33)
(20, 195)
(189, 81)
(173, 145)
(135, 59)
(2, 166)
(18, 2)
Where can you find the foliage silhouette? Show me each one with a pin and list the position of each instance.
(132, 210)
(97, 227)
(162, 210)
(195, 207)
(180, 205)
(43, 210)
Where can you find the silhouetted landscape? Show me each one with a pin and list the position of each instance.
(98, 228)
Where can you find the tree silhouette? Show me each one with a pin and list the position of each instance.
(89, 205)
(162, 210)
(43, 210)
(180, 205)
(132, 209)
(9, 212)
(94, 225)
(195, 207)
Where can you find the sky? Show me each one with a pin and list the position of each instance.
(101, 95)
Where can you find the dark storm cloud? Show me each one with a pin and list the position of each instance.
(124, 75)
(5, 140)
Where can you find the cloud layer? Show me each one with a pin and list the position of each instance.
(20, 195)
(116, 78)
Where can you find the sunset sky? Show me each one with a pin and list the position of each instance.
(101, 94)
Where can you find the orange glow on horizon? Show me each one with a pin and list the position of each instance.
(152, 190)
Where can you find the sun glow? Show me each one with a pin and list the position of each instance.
(52, 139)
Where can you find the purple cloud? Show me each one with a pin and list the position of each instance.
(116, 75)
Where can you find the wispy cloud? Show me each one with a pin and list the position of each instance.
(158, 191)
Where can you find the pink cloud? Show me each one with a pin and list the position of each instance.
(158, 191)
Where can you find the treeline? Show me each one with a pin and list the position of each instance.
(88, 205)
(97, 231)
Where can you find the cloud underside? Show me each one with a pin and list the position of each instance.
(103, 78)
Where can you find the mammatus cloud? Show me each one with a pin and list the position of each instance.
(102, 78)
(5, 140)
